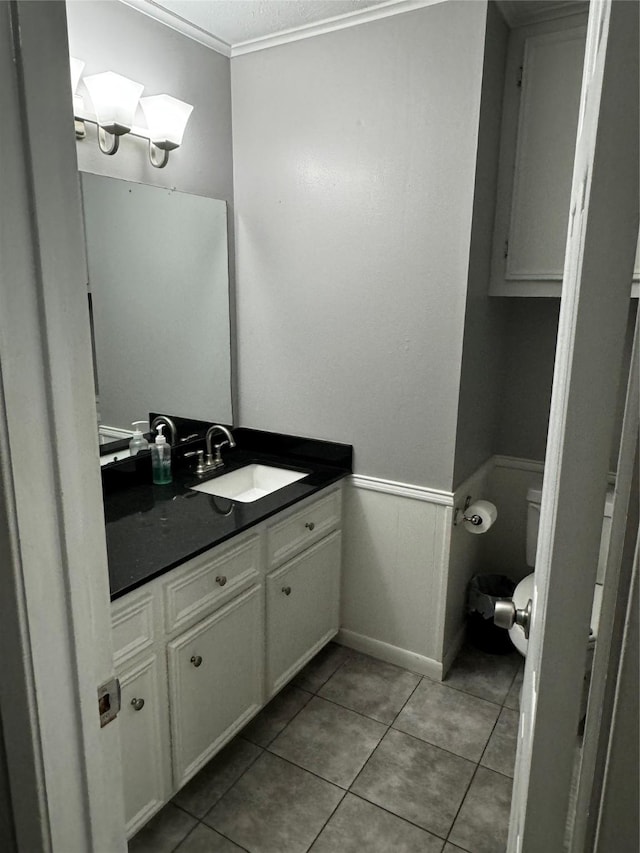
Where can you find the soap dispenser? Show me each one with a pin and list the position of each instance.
(138, 442)
(161, 459)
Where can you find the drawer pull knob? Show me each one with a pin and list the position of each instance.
(221, 580)
(137, 704)
(286, 590)
(309, 525)
(196, 660)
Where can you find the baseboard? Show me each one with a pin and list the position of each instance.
(452, 652)
(519, 463)
(390, 654)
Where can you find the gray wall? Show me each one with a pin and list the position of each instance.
(482, 357)
(529, 354)
(354, 158)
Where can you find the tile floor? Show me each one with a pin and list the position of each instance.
(358, 756)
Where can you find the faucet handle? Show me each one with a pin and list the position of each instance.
(200, 469)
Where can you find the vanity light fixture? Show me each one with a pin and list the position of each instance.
(167, 119)
(115, 100)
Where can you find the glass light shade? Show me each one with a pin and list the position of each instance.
(115, 99)
(75, 66)
(167, 119)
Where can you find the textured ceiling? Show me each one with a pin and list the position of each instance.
(235, 26)
(237, 21)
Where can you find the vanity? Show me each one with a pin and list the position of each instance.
(218, 597)
(216, 603)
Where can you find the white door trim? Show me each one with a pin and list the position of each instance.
(54, 598)
(615, 599)
(601, 246)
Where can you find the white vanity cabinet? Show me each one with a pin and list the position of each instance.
(200, 649)
(302, 588)
(215, 681)
(303, 609)
(144, 714)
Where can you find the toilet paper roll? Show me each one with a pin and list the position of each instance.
(482, 512)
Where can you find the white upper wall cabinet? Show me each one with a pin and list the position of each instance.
(539, 127)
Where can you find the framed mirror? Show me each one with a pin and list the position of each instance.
(159, 288)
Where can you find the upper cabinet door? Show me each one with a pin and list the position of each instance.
(547, 127)
(539, 126)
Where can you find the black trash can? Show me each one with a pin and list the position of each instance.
(482, 593)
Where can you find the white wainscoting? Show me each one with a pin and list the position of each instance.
(406, 566)
(394, 570)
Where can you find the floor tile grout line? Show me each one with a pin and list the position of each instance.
(392, 723)
(395, 814)
(429, 743)
(462, 801)
(489, 738)
(287, 724)
(312, 772)
(173, 849)
(228, 788)
(338, 804)
(467, 692)
(353, 710)
(315, 692)
(237, 844)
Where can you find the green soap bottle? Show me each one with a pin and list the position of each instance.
(161, 459)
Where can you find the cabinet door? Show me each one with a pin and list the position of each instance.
(215, 681)
(552, 77)
(303, 599)
(543, 77)
(144, 738)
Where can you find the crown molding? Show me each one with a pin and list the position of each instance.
(329, 25)
(351, 19)
(175, 22)
(520, 13)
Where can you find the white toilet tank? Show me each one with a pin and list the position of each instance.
(534, 496)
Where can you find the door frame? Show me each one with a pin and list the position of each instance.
(63, 769)
(601, 245)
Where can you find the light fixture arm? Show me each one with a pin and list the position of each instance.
(107, 142)
(159, 157)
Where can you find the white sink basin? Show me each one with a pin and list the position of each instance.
(249, 483)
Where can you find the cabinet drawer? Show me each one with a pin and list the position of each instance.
(131, 626)
(303, 528)
(209, 580)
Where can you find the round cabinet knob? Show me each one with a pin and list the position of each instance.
(221, 580)
(286, 590)
(196, 660)
(309, 525)
(137, 704)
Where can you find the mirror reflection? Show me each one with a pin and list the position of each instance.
(158, 279)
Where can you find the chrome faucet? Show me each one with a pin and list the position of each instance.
(165, 419)
(216, 461)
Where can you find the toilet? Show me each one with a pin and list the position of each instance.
(524, 590)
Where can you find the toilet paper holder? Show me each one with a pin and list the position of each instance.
(476, 520)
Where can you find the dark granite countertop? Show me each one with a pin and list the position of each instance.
(151, 529)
